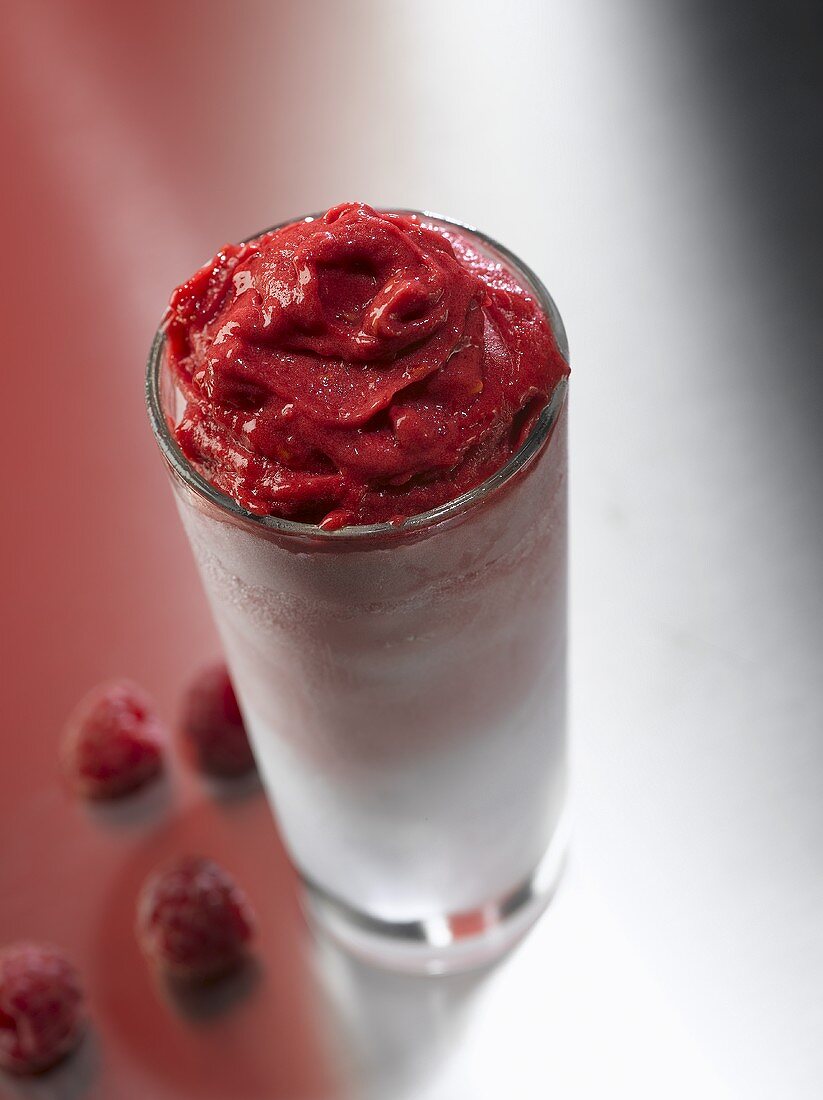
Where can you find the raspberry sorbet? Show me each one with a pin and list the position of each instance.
(356, 368)
(403, 687)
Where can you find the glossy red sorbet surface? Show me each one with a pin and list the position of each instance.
(356, 368)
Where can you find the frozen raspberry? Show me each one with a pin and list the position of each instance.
(112, 743)
(213, 725)
(41, 1007)
(193, 919)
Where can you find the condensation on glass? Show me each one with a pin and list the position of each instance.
(404, 688)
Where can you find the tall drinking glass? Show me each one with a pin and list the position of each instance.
(404, 689)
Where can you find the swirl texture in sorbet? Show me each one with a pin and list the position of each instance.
(356, 368)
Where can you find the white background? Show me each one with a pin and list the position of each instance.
(684, 956)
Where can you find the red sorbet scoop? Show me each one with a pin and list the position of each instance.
(356, 368)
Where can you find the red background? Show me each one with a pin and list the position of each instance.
(127, 163)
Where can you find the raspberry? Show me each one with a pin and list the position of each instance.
(193, 919)
(213, 725)
(41, 1007)
(112, 743)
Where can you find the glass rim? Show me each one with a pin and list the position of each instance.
(531, 445)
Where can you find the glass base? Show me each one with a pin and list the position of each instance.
(445, 944)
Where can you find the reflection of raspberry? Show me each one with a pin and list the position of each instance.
(193, 919)
(213, 725)
(41, 1007)
(112, 743)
